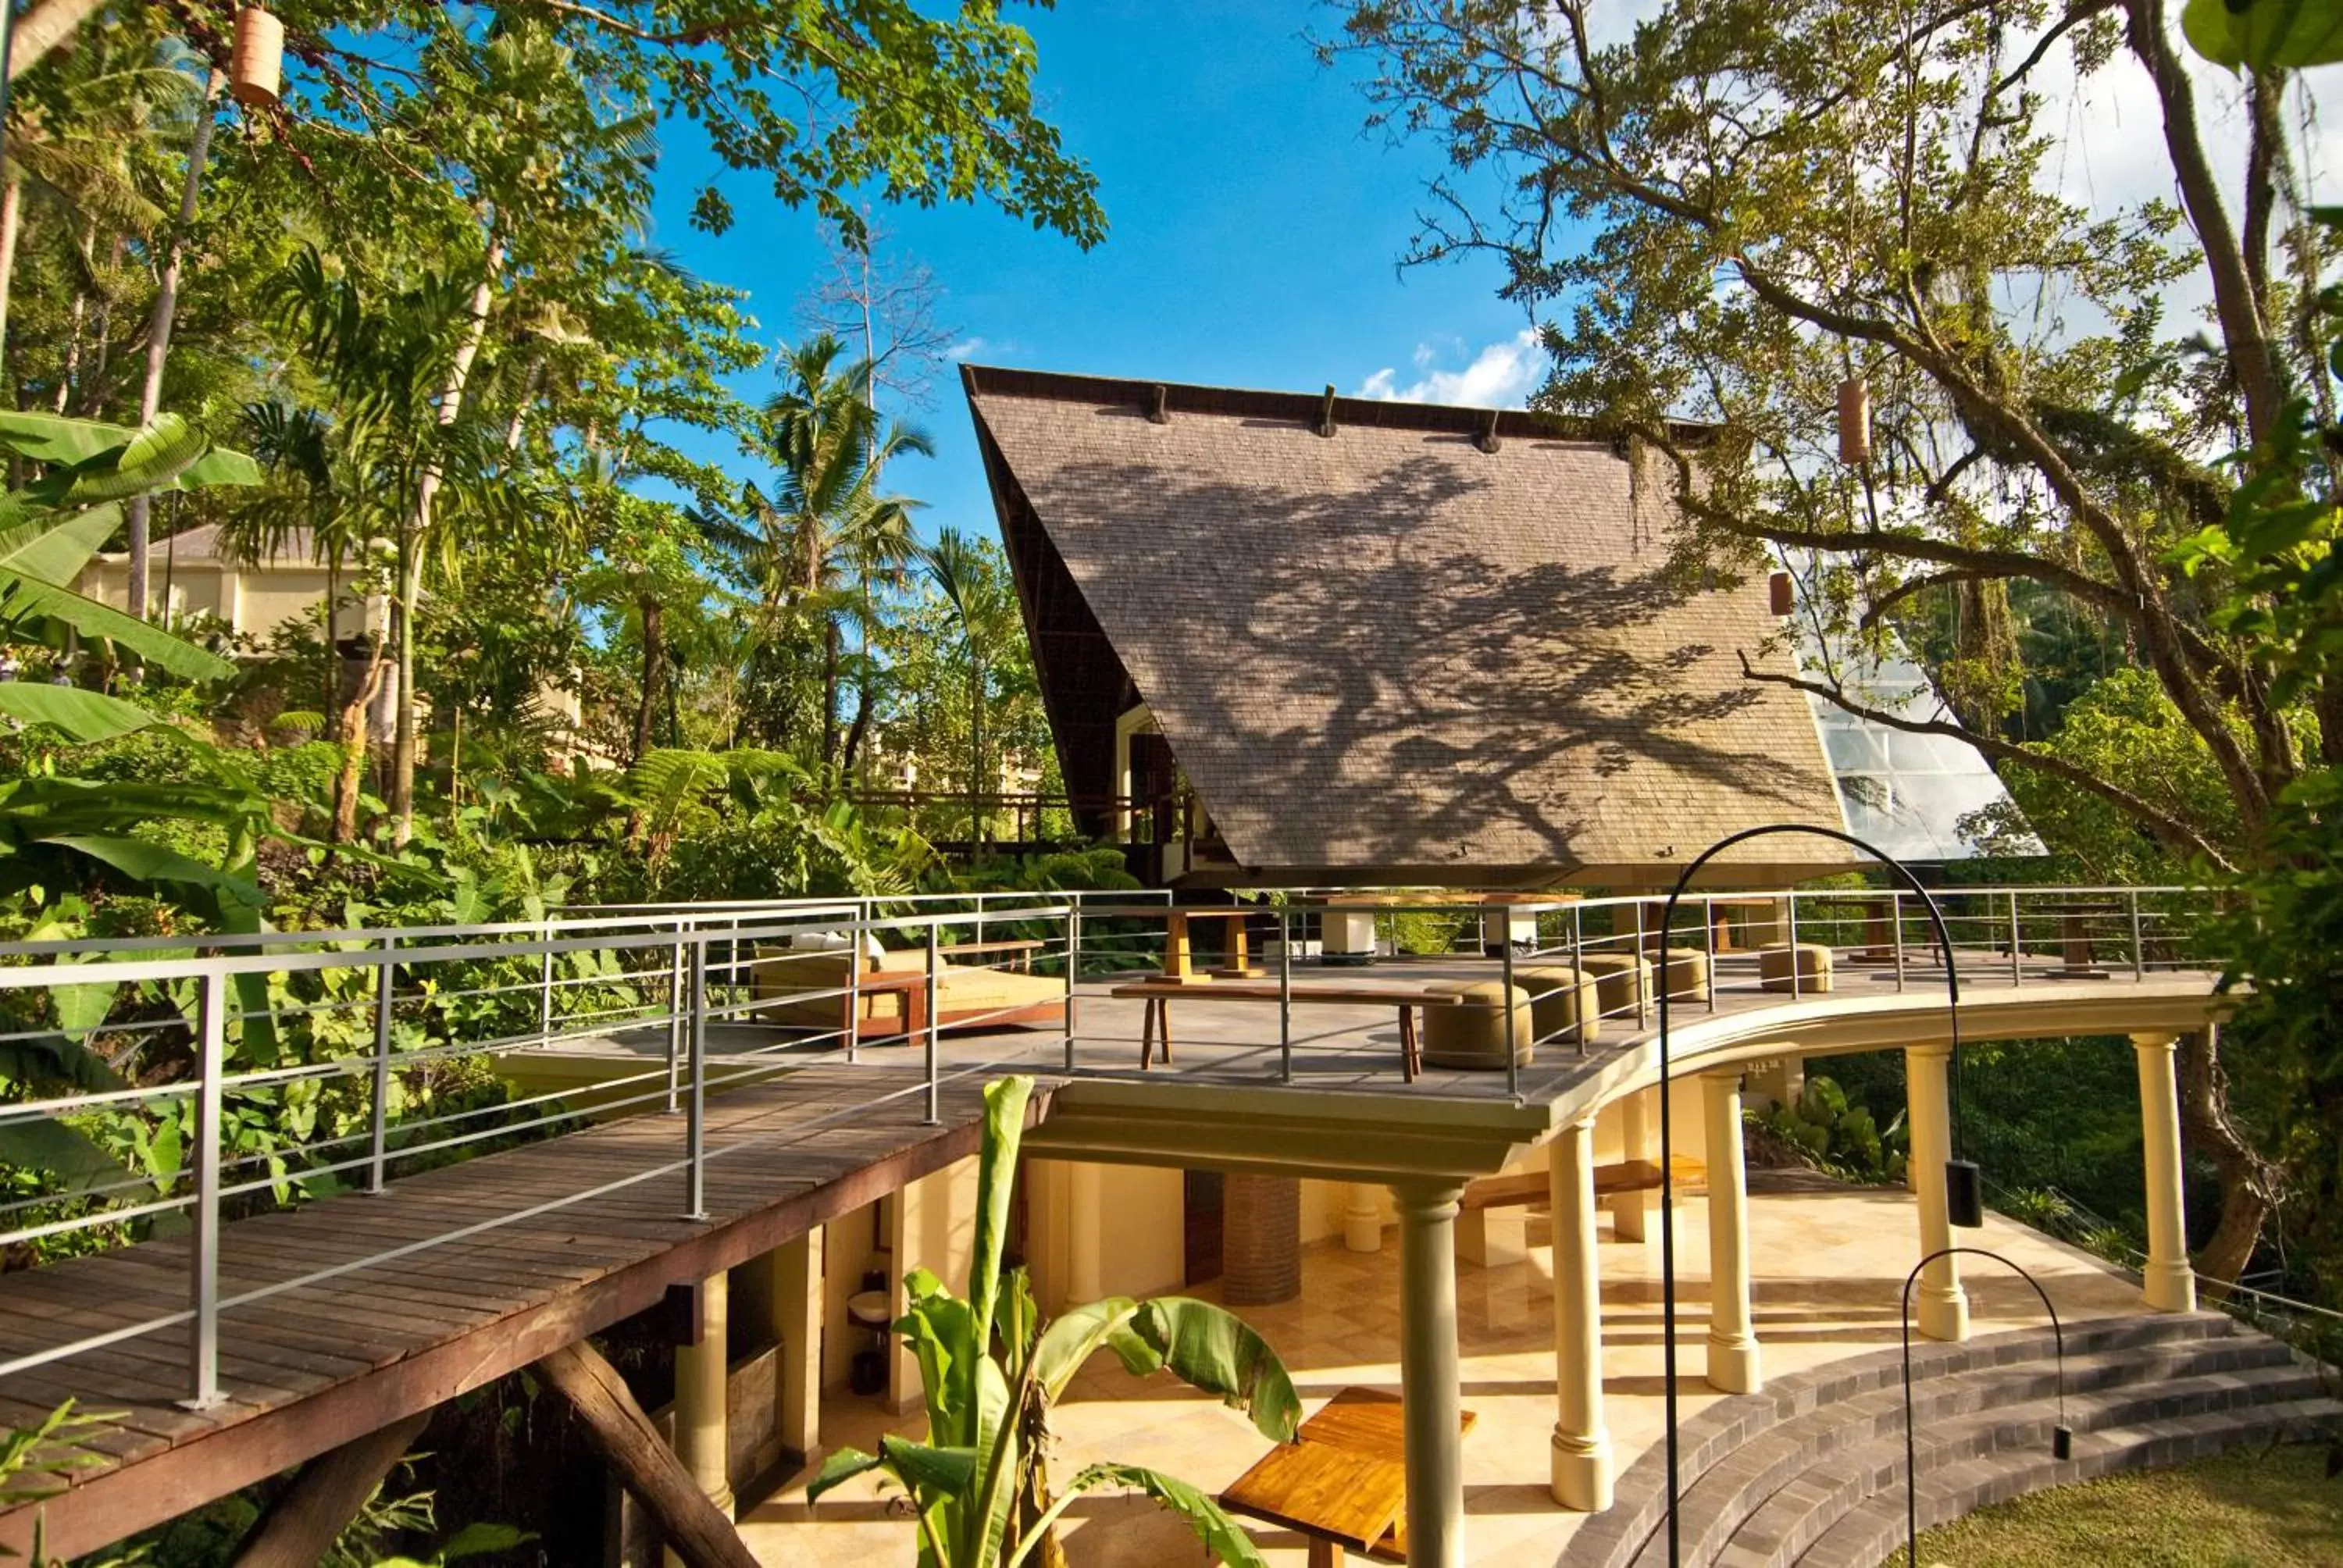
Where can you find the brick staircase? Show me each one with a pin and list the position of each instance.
(1810, 1470)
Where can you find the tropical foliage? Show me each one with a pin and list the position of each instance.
(990, 1367)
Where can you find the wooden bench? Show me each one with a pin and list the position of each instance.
(1158, 995)
(1530, 1187)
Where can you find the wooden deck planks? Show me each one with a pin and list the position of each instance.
(316, 1364)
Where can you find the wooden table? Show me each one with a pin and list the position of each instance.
(1176, 965)
(1346, 1466)
(1156, 1024)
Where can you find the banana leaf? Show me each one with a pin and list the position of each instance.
(1221, 1536)
(84, 717)
(54, 549)
(27, 607)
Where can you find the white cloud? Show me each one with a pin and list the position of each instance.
(1501, 375)
(969, 348)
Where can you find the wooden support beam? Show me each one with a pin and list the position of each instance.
(695, 1529)
(311, 1516)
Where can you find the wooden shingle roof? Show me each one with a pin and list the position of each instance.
(1388, 654)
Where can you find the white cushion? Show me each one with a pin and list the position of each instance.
(833, 942)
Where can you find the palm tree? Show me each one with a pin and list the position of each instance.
(426, 480)
(826, 531)
(970, 580)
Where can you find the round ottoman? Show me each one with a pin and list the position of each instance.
(1562, 1001)
(1623, 984)
(1473, 1036)
(1684, 972)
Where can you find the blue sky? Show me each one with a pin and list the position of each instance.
(1254, 233)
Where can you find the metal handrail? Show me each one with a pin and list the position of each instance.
(681, 970)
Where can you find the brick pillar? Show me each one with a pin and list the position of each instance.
(1261, 1240)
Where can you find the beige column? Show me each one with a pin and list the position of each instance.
(796, 1269)
(1363, 1218)
(1941, 1307)
(700, 1417)
(2168, 1281)
(1732, 1345)
(1631, 1210)
(1582, 1446)
(1428, 1371)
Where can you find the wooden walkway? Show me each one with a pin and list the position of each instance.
(313, 1365)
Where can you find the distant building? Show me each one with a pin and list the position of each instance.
(187, 574)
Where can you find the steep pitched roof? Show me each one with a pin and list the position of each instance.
(1389, 654)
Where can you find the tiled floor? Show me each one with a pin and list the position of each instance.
(1830, 1264)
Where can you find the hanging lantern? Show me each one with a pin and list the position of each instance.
(256, 69)
(1854, 421)
(1784, 593)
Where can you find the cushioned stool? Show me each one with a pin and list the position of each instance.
(1564, 1002)
(1684, 973)
(1474, 1035)
(1814, 968)
(1623, 984)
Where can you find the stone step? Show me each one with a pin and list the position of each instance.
(1617, 1538)
(1809, 1505)
(1864, 1537)
(1715, 1507)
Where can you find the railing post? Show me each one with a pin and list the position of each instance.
(2139, 947)
(1073, 972)
(676, 1009)
(203, 1254)
(1512, 1025)
(2016, 974)
(1284, 995)
(544, 984)
(377, 1152)
(855, 956)
(1792, 901)
(695, 1131)
(1895, 915)
(1708, 944)
(935, 1109)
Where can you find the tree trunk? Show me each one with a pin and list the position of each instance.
(695, 1529)
(352, 734)
(830, 654)
(72, 367)
(976, 752)
(46, 25)
(309, 1515)
(158, 328)
(451, 405)
(2249, 1183)
(654, 672)
(12, 221)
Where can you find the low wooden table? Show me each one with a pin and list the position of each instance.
(1158, 994)
(1330, 1495)
(1338, 1498)
(1177, 968)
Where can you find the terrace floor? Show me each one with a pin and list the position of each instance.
(1830, 1264)
(1346, 1048)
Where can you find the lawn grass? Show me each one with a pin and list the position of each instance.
(2251, 1508)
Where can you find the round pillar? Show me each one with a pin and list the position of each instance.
(1581, 1467)
(1363, 1218)
(1432, 1413)
(1941, 1307)
(1732, 1365)
(1261, 1240)
(2169, 1281)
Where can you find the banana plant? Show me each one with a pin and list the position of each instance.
(991, 1369)
(51, 527)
